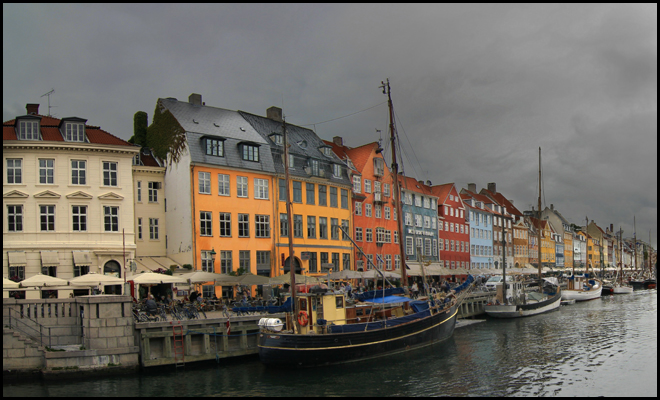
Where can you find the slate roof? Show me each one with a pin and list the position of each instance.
(503, 201)
(50, 131)
(201, 121)
(304, 145)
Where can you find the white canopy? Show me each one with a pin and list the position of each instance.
(152, 278)
(8, 284)
(43, 280)
(94, 279)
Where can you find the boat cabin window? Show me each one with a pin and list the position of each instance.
(302, 304)
(340, 301)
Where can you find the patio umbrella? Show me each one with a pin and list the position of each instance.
(202, 277)
(251, 279)
(346, 274)
(94, 279)
(8, 284)
(43, 280)
(152, 278)
(286, 278)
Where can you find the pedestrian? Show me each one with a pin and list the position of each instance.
(152, 308)
(415, 290)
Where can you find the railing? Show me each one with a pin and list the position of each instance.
(38, 333)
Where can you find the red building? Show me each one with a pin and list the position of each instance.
(375, 218)
(453, 227)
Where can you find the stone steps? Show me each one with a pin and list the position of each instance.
(28, 341)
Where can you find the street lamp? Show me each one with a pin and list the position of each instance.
(213, 253)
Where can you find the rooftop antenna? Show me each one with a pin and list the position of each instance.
(48, 94)
(380, 140)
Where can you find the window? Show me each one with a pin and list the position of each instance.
(418, 220)
(225, 224)
(78, 172)
(139, 191)
(153, 192)
(357, 184)
(46, 171)
(333, 196)
(347, 261)
(139, 227)
(397, 261)
(394, 214)
(225, 261)
(111, 218)
(315, 167)
(380, 235)
(297, 226)
(250, 153)
(418, 200)
(367, 210)
(387, 212)
(311, 227)
(336, 171)
(205, 223)
(367, 186)
(223, 185)
(427, 247)
(358, 208)
(277, 139)
(244, 259)
(427, 202)
(386, 189)
(262, 226)
(335, 261)
(241, 186)
(15, 218)
(379, 167)
(28, 130)
(358, 234)
(109, 173)
(153, 228)
(409, 247)
(47, 214)
(408, 219)
(79, 214)
(243, 225)
(282, 190)
(323, 228)
(435, 247)
(291, 161)
(377, 210)
(344, 199)
(297, 192)
(427, 222)
(215, 147)
(261, 189)
(334, 228)
(396, 237)
(14, 171)
(388, 262)
(263, 260)
(310, 193)
(377, 186)
(74, 132)
(369, 235)
(284, 225)
(344, 225)
(323, 195)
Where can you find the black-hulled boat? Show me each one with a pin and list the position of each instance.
(330, 332)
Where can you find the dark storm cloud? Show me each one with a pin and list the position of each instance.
(476, 88)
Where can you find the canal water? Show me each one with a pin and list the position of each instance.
(605, 347)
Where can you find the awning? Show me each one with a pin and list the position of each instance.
(17, 258)
(50, 259)
(82, 258)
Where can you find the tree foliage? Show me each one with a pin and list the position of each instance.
(140, 123)
(165, 136)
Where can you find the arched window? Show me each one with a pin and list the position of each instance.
(112, 268)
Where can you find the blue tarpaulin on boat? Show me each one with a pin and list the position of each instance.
(379, 293)
(465, 284)
(369, 326)
(389, 299)
(419, 306)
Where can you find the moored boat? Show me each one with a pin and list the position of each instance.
(582, 288)
(522, 304)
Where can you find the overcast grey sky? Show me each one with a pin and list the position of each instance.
(476, 88)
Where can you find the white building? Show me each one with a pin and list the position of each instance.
(67, 199)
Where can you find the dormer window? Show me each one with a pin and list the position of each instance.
(277, 139)
(74, 132)
(250, 151)
(336, 170)
(302, 144)
(315, 167)
(28, 130)
(215, 147)
(379, 167)
(326, 150)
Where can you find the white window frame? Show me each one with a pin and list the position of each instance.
(14, 171)
(204, 182)
(29, 130)
(79, 172)
(139, 191)
(17, 215)
(357, 183)
(367, 186)
(205, 223)
(111, 214)
(242, 186)
(74, 132)
(387, 212)
(367, 210)
(153, 228)
(260, 189)
(48, 169)
(139, 226)
(410, 251)
(112, 178)
(358, 208)
(262, 226)
(81, 214)
(50, 217)
(224, 182)
(386, 189)
(153, 192)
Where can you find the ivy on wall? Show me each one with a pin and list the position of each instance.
(165, 136)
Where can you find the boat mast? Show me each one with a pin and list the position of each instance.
(586, 228)
(504, 262)
(292, 269)
(397, 190)
(539, 230)
(620, 256)
(635, 241)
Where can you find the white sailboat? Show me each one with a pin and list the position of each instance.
(513, 301)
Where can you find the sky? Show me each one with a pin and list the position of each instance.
(477, 89)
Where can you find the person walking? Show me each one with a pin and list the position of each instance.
(415, 290)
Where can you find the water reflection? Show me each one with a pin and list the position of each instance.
(603, 347)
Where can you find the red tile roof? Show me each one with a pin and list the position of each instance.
(503, 201)
(408, 183)
(442, 191)
(358, 155)
(50, 132)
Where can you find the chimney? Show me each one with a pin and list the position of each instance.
(611, 227)
(492, 188)
(274, 113)
(338, 141)
(195, 99)
(472, 187)
(552, 207)
(32, 109)
(428, 183)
